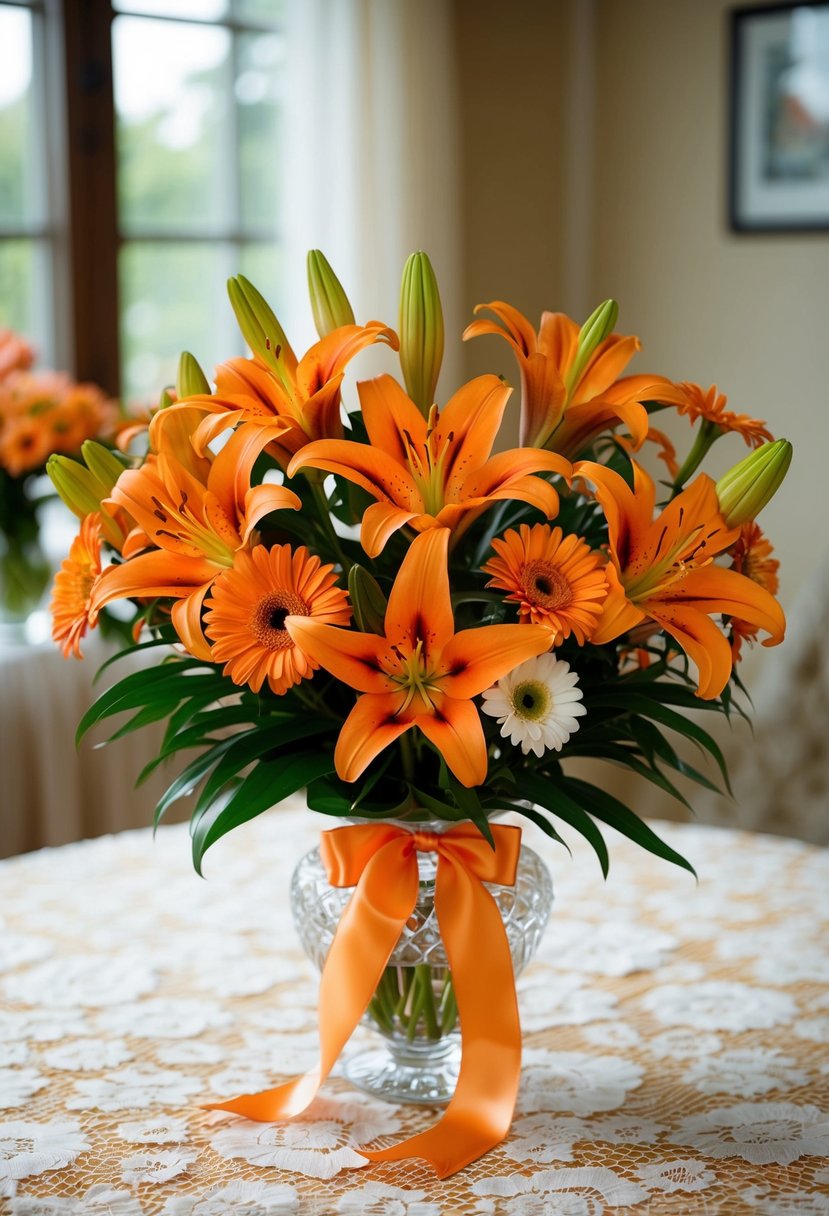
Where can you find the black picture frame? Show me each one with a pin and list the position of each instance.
(778, 179)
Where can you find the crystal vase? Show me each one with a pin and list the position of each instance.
(416, 1056)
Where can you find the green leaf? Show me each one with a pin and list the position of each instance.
(252, 745)
(167, 683)
(537, 818)
(264, 787)
(554, 798)
(440, 809)
(469, 802)
(616, 815)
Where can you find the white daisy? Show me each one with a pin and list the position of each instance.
(537, 704)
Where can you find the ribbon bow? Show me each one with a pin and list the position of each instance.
(380, 861)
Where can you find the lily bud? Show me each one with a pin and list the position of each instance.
(190, 379)
(78, 488)
(257, 321)
(746, 488)
(103, 464)
(421, 331)
(367, 600)
(598, 326)
(329, 303)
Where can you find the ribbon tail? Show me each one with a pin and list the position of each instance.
(480, 1112)
(367, 934)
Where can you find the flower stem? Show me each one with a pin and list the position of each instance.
(707, 433)
(324, 514)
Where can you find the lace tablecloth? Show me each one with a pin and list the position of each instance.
(676, 1038)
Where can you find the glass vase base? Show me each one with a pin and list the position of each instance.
(425, 1078)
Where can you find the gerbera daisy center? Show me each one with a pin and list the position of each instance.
(545, 586)
(531, 700)
(268, 622)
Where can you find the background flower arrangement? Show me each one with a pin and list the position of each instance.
(372, 606)
(41, 412)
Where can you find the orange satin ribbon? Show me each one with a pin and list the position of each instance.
(380, 860)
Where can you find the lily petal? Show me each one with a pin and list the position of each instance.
(186, 617)
(475, 658)
(420, 608)
(456, 731)
(357, 462)
(152, 574)
(358, 659)
(390, 417)
(371, 726)
(701, 640)
(380, 521)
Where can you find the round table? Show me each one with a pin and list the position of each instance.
(675, 1055)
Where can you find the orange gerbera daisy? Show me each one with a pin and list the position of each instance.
(248, 607)
(751, 556)
(24, 445)
(557, 580)
(72, 588)
(709, 405)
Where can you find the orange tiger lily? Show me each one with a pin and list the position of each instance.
(303, 397)
(435, 472)
(568, 417)
(421, 673)
(661, 570)
(196, 513)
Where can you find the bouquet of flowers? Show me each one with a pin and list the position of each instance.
(372, 605)
(41, 412)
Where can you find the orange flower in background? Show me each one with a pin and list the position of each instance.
(45, 412)
(435, 472)
(563, 416)
(247, 609)
(558, 581)
(661, 570)
(15, 353)
(709, 406)
(25, 444)
(751, 556)
(421, 673)
(304, 398)
(193, 514)
(72, 589)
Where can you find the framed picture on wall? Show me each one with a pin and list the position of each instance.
(779, 147)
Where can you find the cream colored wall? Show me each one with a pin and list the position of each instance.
(595, 164)
(512, 70)
(748, 312)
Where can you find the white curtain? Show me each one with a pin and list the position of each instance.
(372, 165)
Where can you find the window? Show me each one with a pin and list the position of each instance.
(172, 110)
(199, 174)
(31, 183)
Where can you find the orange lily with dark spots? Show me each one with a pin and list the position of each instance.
(435, 472)
(661, 569)
(192, 515)
(302, 397)
(421, 673)
(563, 416)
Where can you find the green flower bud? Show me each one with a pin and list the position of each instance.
(367, 600)
(166, 398)
(103, 464)
(598, 326)
(260, 328)
(190, 379)
(329, 303)
(421, 331)
(79, 488)
(746, 488)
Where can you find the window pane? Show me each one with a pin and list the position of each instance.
(173, 171)
(199, 10)
(17, 204)
(263, 265)
(172, 299)
(261, 12)
(258, 107)
(25, 293)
